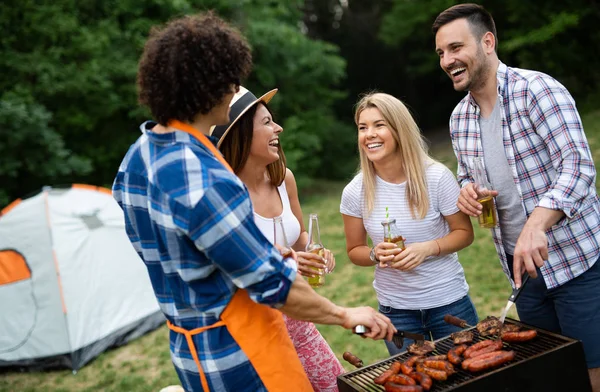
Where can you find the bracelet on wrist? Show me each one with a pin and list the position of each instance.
(373, 256)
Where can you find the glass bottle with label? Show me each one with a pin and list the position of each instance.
(392, 234)
(488, 218)
(315, 246)
(279, 237)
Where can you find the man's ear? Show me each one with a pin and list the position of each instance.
(489, 42)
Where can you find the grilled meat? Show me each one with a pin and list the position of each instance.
(421, 348)
(462, 337)
(510, 328)
(489, 326)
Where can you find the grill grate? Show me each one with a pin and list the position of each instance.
(544, 343)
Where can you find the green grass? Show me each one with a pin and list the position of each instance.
(145, 365)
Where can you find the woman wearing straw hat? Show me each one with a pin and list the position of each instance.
(416, 286)
(250, 144)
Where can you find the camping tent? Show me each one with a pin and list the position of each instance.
(71, 284)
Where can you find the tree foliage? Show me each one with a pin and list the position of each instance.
(69, 108)
(68, 104)
(554, 37)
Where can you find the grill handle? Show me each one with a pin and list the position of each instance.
(458, 322)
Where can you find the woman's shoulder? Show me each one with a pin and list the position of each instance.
(355, 184)
(436, 170)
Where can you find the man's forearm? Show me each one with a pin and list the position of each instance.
(303, 303)
(544, 218)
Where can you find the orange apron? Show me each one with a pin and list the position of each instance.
(258, 329)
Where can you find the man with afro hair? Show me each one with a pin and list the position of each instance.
(216, 277)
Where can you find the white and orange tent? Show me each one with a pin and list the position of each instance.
(71, 284)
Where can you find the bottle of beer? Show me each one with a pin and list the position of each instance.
(488, 218)
(315, 246)
(391, 233)
(279, 237)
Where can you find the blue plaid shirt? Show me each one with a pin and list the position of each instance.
(551, 164)
(191, 221)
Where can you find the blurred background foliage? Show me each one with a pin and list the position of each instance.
(68, 105)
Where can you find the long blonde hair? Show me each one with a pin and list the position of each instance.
(411, 147)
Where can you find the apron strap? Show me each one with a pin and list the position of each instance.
(188, 337)
(201, 138)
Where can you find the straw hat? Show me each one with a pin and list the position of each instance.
(242, 101)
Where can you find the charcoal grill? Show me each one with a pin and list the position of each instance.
(550, 362)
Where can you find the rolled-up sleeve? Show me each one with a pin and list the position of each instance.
(221, 225)
(555, 118)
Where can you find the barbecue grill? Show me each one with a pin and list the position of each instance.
(550, 362)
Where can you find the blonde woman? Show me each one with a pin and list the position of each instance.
(417, 286)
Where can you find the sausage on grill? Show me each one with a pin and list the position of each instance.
(521, 336)
(401, 379)
(477, 346)
(439, 375)
(494, 346)
(405, 369)
(393, 387)
(412, 360)
(439, 365)
(467, 362)
(353, 359)
(454, 355)
(423, 379)
(487, 363)
(382, 378)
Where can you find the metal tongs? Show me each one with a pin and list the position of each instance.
(513, 297)
(398, 337)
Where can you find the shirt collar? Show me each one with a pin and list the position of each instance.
(171, 137)
(501, 75)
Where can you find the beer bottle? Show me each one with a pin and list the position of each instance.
(281, 239)
(315, 246)
(488, 218)
(391, 233)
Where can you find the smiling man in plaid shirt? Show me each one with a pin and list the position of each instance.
(527, 129)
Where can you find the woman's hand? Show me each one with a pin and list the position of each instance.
(306, 262)
(413, 255)
(329, 261)
(385, 252)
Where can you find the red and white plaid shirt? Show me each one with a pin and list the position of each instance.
(551, 164)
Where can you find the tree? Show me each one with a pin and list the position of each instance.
(552, 36)
(68, 106)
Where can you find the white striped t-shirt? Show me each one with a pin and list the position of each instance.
(437, 281)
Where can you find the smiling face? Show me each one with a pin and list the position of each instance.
(464, 58)
(265, 136)
(375, 136)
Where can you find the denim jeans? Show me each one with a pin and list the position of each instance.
(571, 309)
(429, 322)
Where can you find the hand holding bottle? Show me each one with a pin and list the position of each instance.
(485, 195)
(385, 252)
(310, 265)
(316, 247)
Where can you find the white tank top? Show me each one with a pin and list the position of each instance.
(290, 223)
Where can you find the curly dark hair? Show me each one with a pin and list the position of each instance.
(189, 65)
